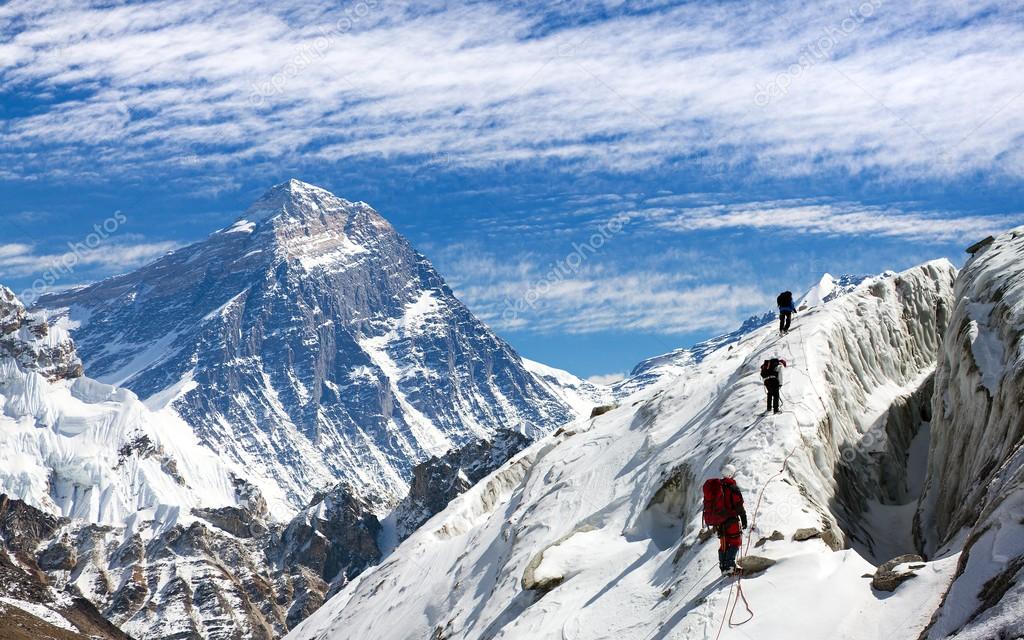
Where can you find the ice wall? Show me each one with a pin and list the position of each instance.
(974, 497)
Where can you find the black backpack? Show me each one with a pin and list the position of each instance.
(768, 369)
(785, 299)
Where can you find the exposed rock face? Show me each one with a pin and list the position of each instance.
(975, 487)
(775, 537)
(311, 344)
(31, 342)
(335, 536)
(55, 614)
(601, 410)
(438, 480)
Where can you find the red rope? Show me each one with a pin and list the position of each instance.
(739, 592)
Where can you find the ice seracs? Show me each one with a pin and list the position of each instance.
(973, 504)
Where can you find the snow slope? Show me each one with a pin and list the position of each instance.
(680, 361)
(592, 531)
(579, 394)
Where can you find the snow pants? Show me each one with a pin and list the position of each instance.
(730, 538)
(773, 387)
(785, 318)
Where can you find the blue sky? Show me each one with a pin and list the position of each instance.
(720, 151)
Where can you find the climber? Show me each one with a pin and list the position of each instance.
(771, 374)
(786, 310)
(723, 510)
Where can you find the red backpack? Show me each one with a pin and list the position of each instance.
(719, 502)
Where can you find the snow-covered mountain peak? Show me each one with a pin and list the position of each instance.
(307, 226)
(310, 342)
(312, 346)
(295, 198)
(830, 288)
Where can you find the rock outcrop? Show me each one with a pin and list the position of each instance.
(32, 607)
(889, 576)
(28, 339)
(435, 482)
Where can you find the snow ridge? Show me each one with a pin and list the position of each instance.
(592, 532)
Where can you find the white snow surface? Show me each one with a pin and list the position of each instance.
(611, 505)
(986, 346)
(60, 451)
(816, 295)
(43, 613)
(582, 396)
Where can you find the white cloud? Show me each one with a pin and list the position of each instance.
(22, 260)
(832, 218)
(13, 250)
(607, 378)
(521, 295)
(919, 89)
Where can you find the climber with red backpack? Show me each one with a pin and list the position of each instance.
(786, 310)
(771, 375)
(723, 510)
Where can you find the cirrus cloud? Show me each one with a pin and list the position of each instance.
(916, 89)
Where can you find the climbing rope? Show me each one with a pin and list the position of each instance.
(731, 603)
(730, 613)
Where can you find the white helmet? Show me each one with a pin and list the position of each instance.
(728, 471)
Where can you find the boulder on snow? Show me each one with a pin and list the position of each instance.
(601, 410)
(775, 537)
(979, 245)
(542, 581)
(887, 578)
(754, 564)
(832, 539)
(806, 534)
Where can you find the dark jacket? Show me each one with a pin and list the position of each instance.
(774, 376)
